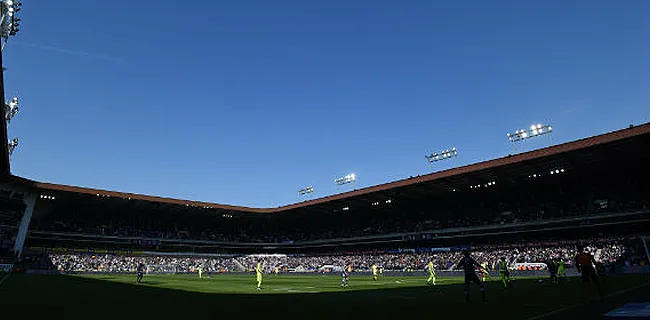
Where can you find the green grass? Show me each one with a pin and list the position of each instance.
(297, 297)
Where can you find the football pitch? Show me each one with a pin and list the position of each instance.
(304, 296)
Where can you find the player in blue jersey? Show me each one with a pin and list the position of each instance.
(140, 270)
(345, 277)
(469, 265)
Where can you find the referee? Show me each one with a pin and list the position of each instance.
(586, 264)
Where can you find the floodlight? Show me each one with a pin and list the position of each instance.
(9, 22)
(485, 185)
(306, 190)
(12, 145)
(534, 131)
(349, 178)
(442, 155)
(11, 109)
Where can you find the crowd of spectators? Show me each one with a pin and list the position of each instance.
(128, 264)
(606, 251)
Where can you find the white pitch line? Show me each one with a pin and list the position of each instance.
(5, 278)
(617, 293)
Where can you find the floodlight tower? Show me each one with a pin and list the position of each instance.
(442, 155)
(535, 130)
(9, 23)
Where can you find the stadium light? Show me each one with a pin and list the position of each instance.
(11, 108)
(349, 178)
(306, 190)
(12, 145)
(535, 130)
(9, 22)
(484, 185)
(442, 155)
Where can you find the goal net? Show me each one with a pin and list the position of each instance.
(161, 269)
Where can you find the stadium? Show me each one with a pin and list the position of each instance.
(71, 252)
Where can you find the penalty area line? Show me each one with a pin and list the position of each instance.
(582, 304)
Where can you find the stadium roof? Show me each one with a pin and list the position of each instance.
(581, 151)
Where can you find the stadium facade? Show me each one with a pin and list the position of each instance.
(592, 187)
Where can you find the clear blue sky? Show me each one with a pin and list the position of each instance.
(244, 102)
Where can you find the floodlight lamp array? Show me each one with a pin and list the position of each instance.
(349, 178)
(10, 23)
(12, 144)
(306, 190)
(442, 155)
(11, 108)
(534, 131)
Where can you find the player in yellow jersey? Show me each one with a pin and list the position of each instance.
(258, 273)
(200, 270)
(561, 273)
(432, 274)
(374, 272)
(504, 273)
(484, 273)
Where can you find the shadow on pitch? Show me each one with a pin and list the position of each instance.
(77, 297)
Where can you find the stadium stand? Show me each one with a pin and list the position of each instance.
(11, 210)
(586, 189)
